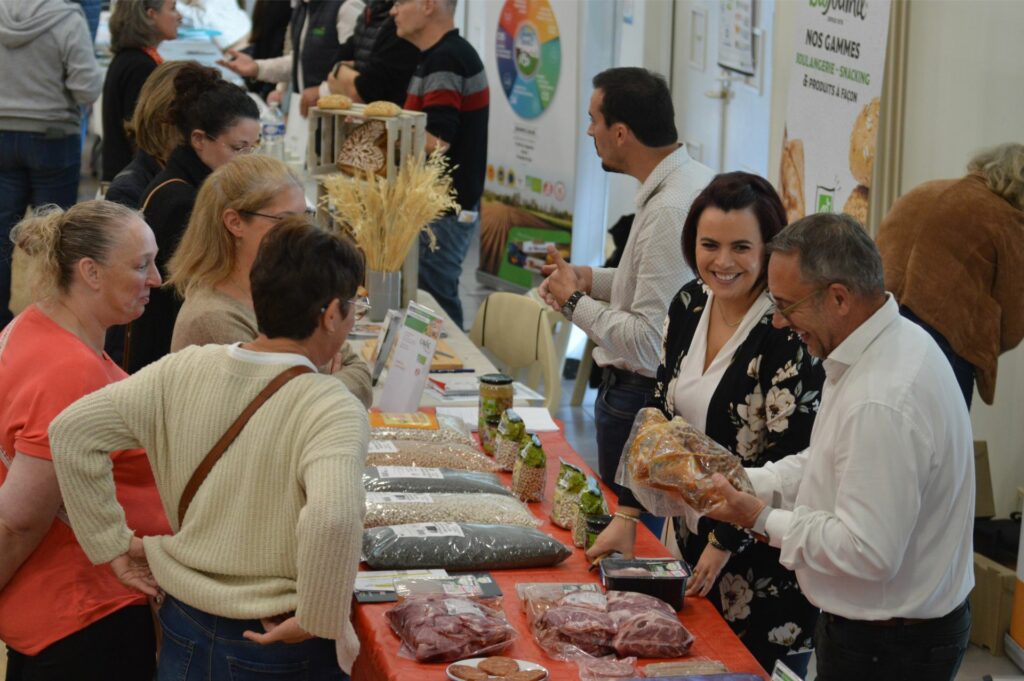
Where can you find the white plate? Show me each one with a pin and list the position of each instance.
(523, 665)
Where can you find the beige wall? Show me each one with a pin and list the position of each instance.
(963, 93)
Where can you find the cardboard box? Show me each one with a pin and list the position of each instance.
(984, 499)
(991, 603)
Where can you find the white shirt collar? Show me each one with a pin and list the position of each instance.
(850, 350)
(236, 351)
(668, 165)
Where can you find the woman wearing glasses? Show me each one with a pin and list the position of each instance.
(217, 122)
(235, 208)
(752, 388)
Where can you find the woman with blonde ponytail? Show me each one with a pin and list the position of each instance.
(63, 614)
(235, 208)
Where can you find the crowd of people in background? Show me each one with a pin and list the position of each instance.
(838, 371)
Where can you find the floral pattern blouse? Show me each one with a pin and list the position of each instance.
(762, 410)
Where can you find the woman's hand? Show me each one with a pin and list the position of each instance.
(279, 631)
(620, 535)
(132, 569)
(711, 562)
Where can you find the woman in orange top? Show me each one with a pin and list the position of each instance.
(60, 616)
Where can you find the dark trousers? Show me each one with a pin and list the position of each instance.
(614, 410)
(120, 646)
(962, 369)
(932, 650)
(35, 169)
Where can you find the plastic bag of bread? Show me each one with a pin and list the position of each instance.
(669, 464)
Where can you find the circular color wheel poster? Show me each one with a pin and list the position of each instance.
(529, 54)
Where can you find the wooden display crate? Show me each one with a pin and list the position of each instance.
(406, 136)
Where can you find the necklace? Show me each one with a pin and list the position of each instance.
(721, 313)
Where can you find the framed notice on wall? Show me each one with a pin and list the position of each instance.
(736, 36)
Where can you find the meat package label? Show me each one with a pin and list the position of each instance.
(409, 472)
(459, 607)
(422, 530)
(398, 498)
(382, 447)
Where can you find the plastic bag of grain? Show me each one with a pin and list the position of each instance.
(591, 501)
(509, 440)
(403, 508)
(568, 485)
(414, 479)
(428, 454)
(529, 475)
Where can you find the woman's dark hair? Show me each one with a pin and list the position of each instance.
(300, 269)
(736, 191)
(640, 99)
(205, 101)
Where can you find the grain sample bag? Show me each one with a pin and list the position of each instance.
(429, 455)
(460, 546)
(417, 480)
(529, 475)
(570, 482)
(390, 508)
(668, 465)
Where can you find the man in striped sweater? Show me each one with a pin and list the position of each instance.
(450, 86)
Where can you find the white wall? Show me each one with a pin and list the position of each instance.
(963, 93)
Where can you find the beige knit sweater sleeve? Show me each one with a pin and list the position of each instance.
(355, 374)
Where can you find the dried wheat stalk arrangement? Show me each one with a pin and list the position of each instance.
(385, 217)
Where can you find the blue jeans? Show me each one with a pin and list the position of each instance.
(440, 269)
(849, 650)
(614, 410)
(35, 169)
(198, 646)
(962, 369)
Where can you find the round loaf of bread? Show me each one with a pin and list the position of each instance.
(334, 102)
(382, 109)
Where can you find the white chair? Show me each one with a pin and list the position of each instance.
(516, 331)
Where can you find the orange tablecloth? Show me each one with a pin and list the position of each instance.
(378, 656)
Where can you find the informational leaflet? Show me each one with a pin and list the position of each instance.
(832, 112)
(410, 363)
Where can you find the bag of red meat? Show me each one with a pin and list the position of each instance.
(443, 628)
(646, 626)
(607, 668)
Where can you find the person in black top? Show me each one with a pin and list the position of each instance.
(374, 64)
(136, 28)
(270, 19)
(218, 121)
(450, 86)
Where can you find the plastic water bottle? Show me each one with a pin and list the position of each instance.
(272, 123)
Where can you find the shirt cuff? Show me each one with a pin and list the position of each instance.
(601, 282)
(324, 90)
(586, 312)
(763, 482)
(777, 526)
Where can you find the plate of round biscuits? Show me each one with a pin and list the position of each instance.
(496, 668)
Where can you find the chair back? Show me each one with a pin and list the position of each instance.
(515, 330)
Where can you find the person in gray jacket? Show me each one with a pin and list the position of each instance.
(49, 70)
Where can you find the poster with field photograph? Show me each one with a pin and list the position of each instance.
(832, 111)
(528, 191)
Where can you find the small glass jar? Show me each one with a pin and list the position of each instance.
(495, 398)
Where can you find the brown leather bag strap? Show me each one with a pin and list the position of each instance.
(229, 436)
(149, 197)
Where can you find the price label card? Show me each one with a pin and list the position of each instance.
(460, 607)
(410, 472)
(424, 530)
(382, 447)
(398, 498)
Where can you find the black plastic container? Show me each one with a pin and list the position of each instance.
(664, 578)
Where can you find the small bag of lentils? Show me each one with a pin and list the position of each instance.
(529, 474)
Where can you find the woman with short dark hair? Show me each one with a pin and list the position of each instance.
(267, 542)
(137, 27)
(752, 388)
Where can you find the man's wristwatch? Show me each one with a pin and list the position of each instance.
(569, 306)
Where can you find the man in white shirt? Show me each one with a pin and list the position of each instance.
(632, 122)
(876, 515)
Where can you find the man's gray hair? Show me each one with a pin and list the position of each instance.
(833, 249)
(449, 5)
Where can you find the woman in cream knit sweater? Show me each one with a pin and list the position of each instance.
(268, 549)
(235, 208)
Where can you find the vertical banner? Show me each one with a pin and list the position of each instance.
(828, 150)
(528, 192)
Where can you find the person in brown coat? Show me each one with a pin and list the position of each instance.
(953, 253)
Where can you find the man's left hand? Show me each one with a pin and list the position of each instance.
(739, 508)
(308, 101)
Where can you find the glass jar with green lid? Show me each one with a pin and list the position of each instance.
(495, 398)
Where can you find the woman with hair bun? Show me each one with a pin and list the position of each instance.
(61, 616)
(237, 205)
(217, 122)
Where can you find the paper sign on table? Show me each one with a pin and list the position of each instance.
(536, 419)
(410, 362)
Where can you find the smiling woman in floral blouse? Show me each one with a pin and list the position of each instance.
(749, 386)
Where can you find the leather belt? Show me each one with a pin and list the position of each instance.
(615, 376)
(897, 621)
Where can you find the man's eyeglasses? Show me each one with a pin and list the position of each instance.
(360, 303)
(788, 310)
(309, 213)
(243, 149)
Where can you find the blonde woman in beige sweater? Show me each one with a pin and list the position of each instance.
(236, 206)
(267, 551)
